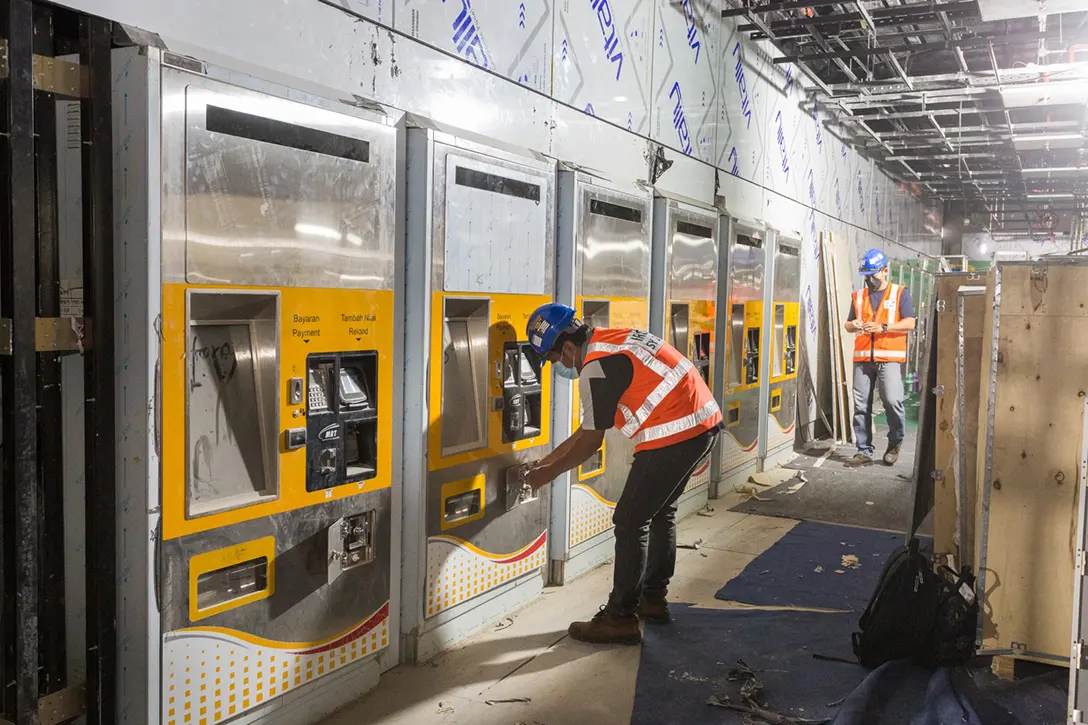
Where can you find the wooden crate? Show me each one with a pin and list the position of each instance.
(959, 351)
(1031, 414)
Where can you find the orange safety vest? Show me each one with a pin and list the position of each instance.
(879, 346)
(667, 401)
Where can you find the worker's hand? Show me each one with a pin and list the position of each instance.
(871, 327)
(538, 477)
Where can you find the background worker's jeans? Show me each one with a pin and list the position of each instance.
(645, 520)
(887, 379)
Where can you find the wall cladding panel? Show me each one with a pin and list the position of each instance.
(685, 77)
(380, 11)
(510, 38)
(741, 123)
(603, 57)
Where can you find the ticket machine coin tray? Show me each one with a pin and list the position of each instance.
(341, 419)
(517, 491)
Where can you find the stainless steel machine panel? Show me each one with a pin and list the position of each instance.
(744, 348)
(465, 374)
(693, 258)
(785, 317)
(613, 244)
(494, 224)
(264, 191)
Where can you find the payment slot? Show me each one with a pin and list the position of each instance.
(604, 274)
(260, 331)
(484, 224)
(783, 309)
(685, 300)
(744, 353)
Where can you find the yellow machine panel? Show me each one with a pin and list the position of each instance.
(309, 321)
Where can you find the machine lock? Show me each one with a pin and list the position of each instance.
(351, 543)
(518, 490)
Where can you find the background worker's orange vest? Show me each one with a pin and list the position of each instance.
(880, 346)
(667, 401)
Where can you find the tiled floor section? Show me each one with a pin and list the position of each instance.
(529, 656)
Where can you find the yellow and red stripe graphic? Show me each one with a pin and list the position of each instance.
(458, 571)
(212, 674)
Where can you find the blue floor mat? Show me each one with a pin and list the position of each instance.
(687, 662)
(805, 569)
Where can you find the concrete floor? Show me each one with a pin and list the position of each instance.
(528, 655)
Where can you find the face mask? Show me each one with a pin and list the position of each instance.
(567, 373)
(872, 281)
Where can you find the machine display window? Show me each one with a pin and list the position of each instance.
(615, 211)
(232, 400)
(749, 240)
(270, 130)
(464, 375)
(354, 389)
(779, 340)
(694, 230)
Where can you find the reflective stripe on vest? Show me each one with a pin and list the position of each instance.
(879, 346)
(659, 370)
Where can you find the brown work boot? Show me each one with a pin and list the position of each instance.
(607, 629)
(892, 454)
(654, 610)
(859, 460)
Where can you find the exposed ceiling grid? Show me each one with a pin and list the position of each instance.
(979, 102)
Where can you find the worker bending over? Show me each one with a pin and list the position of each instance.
(636, 382)
(880, 316)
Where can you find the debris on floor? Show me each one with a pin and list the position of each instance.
(850, 561)
(772, 478)
(707, 510)
(508, 701)
(751, 702)
(819, 570)
(694, 545)
(801, 481)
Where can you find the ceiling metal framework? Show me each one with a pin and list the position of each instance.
(981, 103)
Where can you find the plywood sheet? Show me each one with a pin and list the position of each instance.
(968, 396)
(1032, 491)
(944, 490)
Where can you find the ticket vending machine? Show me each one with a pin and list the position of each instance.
(684, 300)
(781, 320)
(604, 274)
(738, 454)
(481, 258)
(259, 395)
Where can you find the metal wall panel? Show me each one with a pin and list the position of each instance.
(603, 54)
(685, 84)
(504, 37)
(380, 11)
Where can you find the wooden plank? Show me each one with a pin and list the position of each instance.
(973, 320)
(945, 505)
(1038, 423)
(842, 292)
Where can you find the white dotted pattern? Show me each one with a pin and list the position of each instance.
(776, 435)
(210, 676)
(456, 573)
(589, 515)
(732, 453)
(700, 477)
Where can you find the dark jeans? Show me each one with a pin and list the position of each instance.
(645, 520)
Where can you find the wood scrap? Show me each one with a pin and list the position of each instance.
(771, 718)
(850, 561)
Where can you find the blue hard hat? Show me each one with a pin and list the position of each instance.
(546, 324)
(872, 262)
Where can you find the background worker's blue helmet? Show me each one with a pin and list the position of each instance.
(872, 262)
(546, 324)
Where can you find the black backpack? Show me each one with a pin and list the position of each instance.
(953, 638)
(899, 621)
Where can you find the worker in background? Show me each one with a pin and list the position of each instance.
(880, 316)
(636, 382)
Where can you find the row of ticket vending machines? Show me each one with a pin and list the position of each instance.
(326, 380)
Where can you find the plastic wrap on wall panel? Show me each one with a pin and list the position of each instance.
(741, 124)
(686, 66)
(380, 11)
(790, 132)
(509, 37)
(603, 51)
